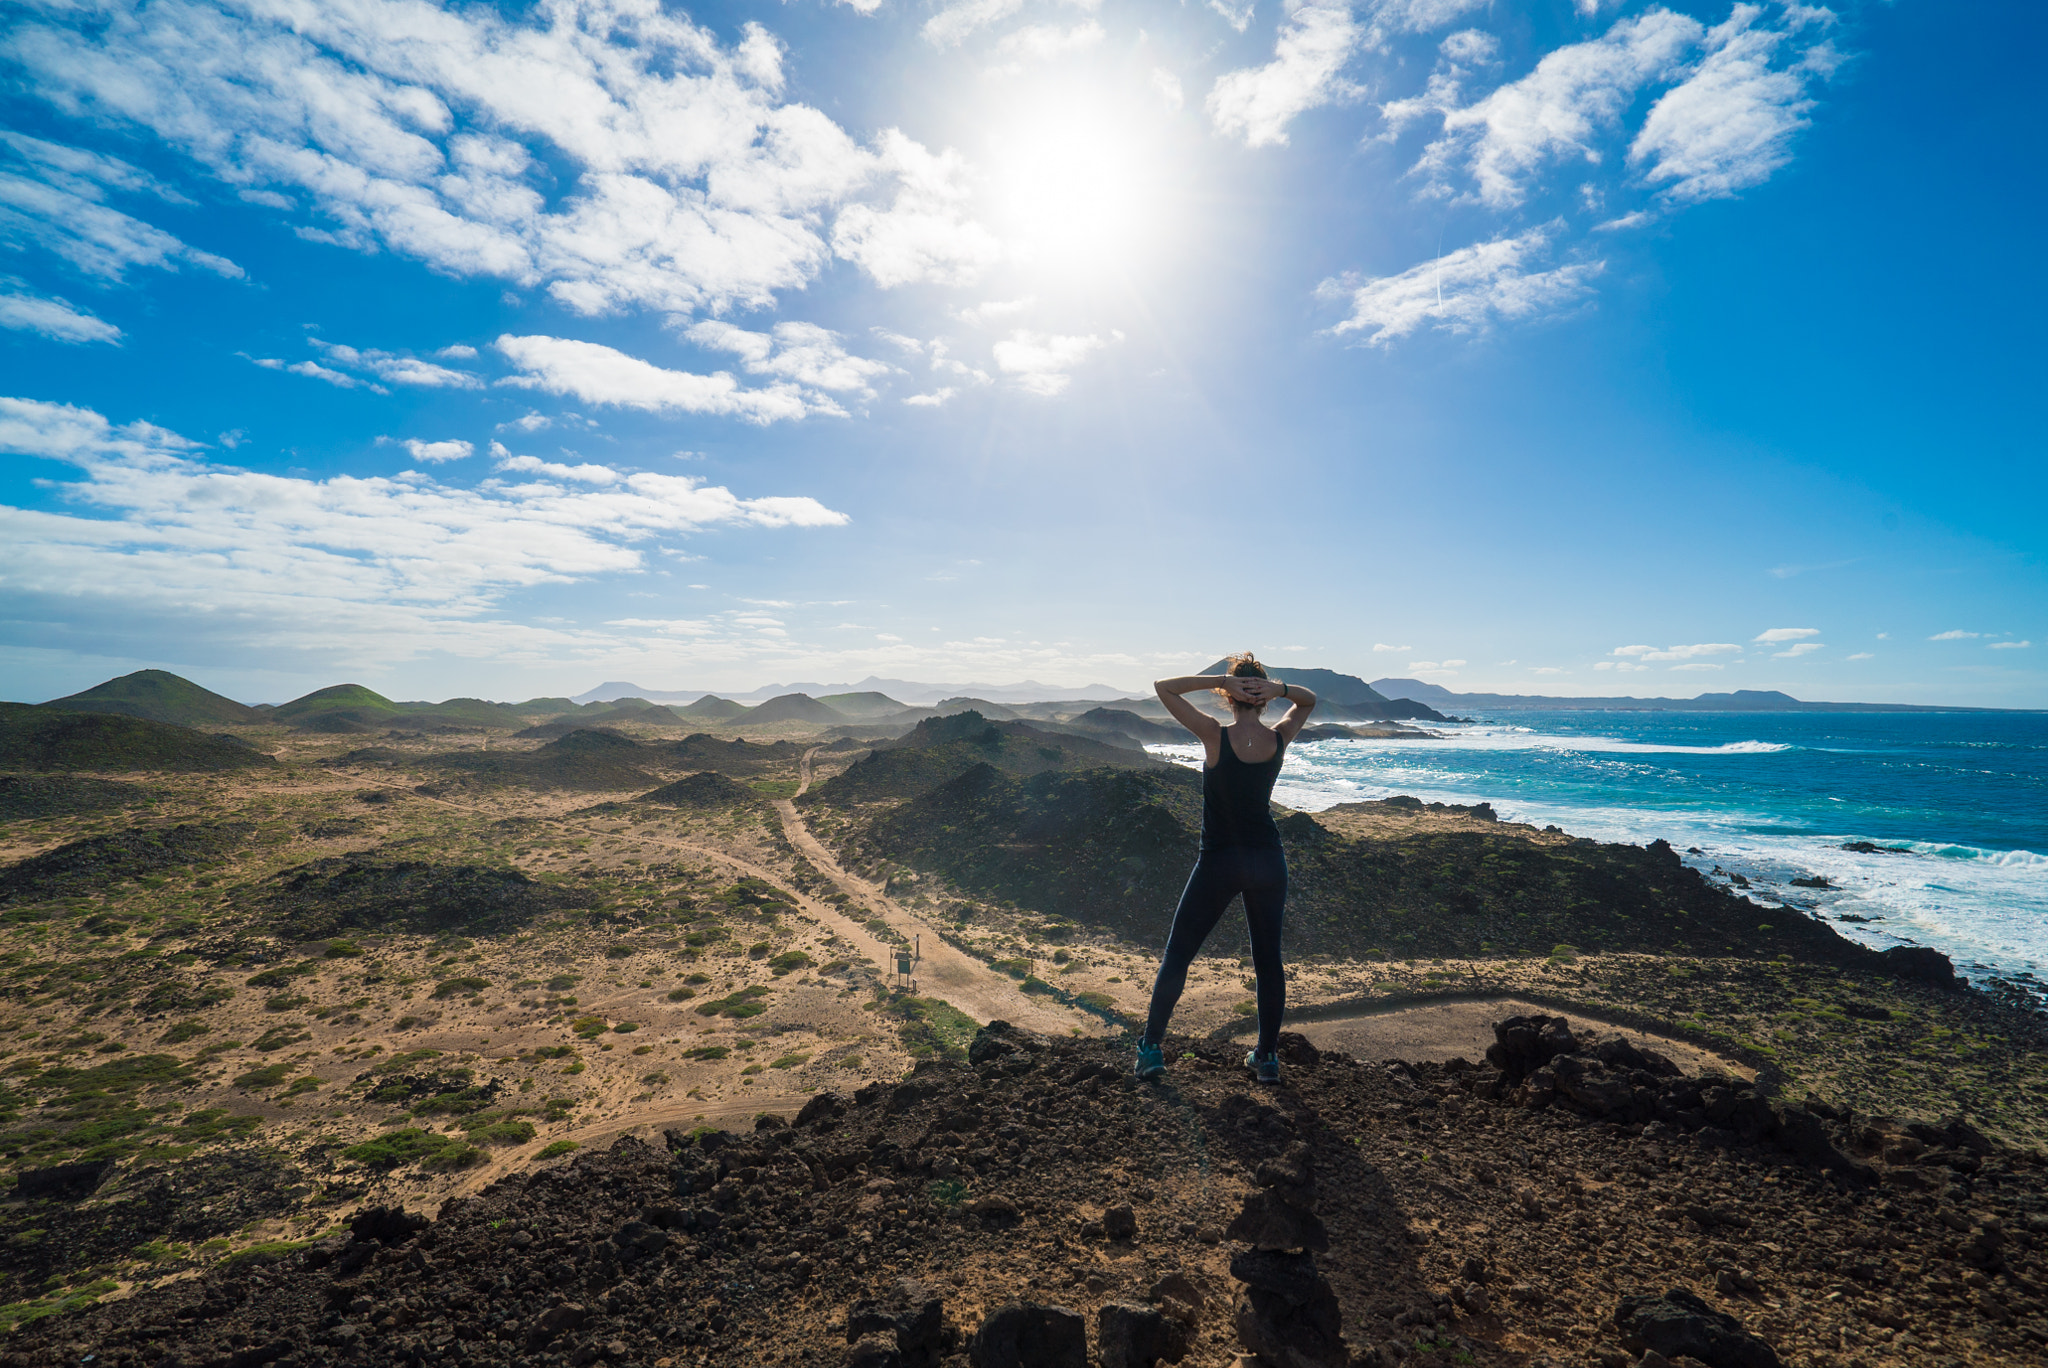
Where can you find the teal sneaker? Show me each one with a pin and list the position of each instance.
(1151, 1060)
(1266, 1069)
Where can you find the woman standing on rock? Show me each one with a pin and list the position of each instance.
(1240, 847)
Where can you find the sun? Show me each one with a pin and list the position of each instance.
(1076, 179)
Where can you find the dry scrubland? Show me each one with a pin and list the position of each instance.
(258, 992)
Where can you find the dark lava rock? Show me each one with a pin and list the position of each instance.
(386, 1225)
(1028, 1335)
(1120, 1223)
(67, 1182)
(1001, 1040)
(1133, 1335)
(1920, 964)
(910, 1320)
(1680, 1323)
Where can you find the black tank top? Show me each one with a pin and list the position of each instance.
(1236, 801)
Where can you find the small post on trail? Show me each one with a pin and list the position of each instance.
(907, 962)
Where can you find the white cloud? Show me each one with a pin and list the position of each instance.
(1798, 649)
(435, 453)
(399, 368)
(924, 233)
(1470, 47)
(313, 370)
(886, 636)
(535, 465)
(802, 353)
(1236, 13)
(1398, 650)
(1704, 648)
(2010, 645)
(1699, 665)
(1777, 634)
(362, 569)
(1041, 362)
(1464, 292)
(1434, 667)
(933, 398)
(1043, 43)
(1955, 634)
(48, 316)
(992, 310)
(1576, 94)
(1620, 666)
(1548, 670)
(1257, 103)
(459, 352)
(954, 23)
(1726, 122)
(613, 152)
(1729, 125)
(1169, 88)
(56, 200)
(598, 374)
(1861, 655)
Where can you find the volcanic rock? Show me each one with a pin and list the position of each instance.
(1029, 1335)
(1680, 1323)
(1133, 1335)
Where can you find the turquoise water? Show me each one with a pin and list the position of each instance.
(1770, 796)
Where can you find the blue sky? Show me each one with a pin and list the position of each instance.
(1568, 347)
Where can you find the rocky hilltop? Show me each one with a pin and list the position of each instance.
(1570, 1199)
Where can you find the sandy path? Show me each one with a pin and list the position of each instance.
(946, 972)
(1440, 1030)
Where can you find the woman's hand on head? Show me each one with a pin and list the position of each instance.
(1242, 689)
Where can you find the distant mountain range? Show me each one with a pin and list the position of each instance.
(1741, 700)
(902, 691)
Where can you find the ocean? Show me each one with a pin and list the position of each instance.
(1769, 796)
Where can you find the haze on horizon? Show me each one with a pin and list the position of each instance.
(1581, 347)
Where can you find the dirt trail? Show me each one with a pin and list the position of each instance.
(947, 973)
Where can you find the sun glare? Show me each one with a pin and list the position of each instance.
(1075, 179)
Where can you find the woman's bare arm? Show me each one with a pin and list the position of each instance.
(1193, 718)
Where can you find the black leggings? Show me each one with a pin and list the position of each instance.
(1220, 875)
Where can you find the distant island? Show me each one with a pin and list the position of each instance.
(1741, 700)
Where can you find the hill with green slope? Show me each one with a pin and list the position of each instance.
(159, 696)
(34, 738)
(712, 708)
(940, 749)
(353, 697)
(794, 707)
(866, 707)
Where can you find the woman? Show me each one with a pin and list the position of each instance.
(1240, 847)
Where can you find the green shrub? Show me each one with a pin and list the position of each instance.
(790, 1061)
(738, 1005)
(269, 1076)
(588, 1027)
(557, 1148)
(789, 960)
(395, 1148)
(626, 1028)
(707, 1052)
(454, 987)
(681, 994)
(343, 949)
(185, 1030)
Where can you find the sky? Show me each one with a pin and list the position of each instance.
(1573, 346)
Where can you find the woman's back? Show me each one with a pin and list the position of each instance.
(1237, 799)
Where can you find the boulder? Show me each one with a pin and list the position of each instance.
(1030, 1335)
(64, 1182)
(386, 1225)
(1133, 1335)
(1920, 964)
(1678, 1322)
(908, 1317)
